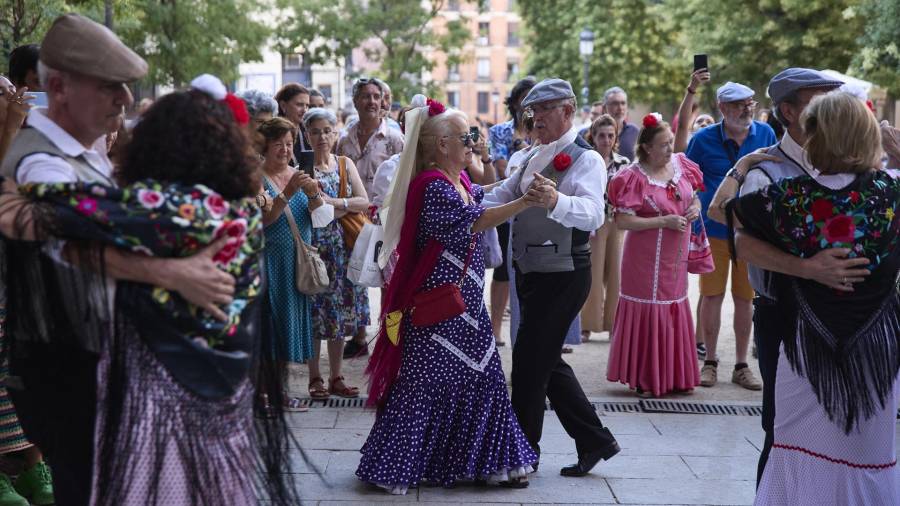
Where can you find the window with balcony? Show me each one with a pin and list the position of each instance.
(484, 33)
(453, 72)
(484, 69)
(484, 100)
(512, 70)
(453, 99)
(512, 34)
(292, 61)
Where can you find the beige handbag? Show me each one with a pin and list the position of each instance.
(310, 273)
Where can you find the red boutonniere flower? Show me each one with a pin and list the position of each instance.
(562, 162)
(435, 107)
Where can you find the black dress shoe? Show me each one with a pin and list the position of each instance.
(587, 461)
(353, 349)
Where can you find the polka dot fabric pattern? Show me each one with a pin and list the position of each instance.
(290, 311)
(448, 416)
(344, 308)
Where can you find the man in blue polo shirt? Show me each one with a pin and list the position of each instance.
(717, 149)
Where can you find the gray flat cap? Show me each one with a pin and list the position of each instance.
(795, 78)
(76, 44)
(732, 92)
(548, 89)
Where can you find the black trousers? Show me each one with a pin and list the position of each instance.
(548, 302)
(56, 408)
(768, 341)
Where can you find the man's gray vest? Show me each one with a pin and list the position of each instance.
(540, 244)
(30, 141)
(760, 279)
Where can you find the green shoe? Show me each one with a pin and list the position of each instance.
(36, 484)
(8, 495)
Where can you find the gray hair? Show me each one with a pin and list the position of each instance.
(613, 91)
(364, 81)
(317, 113)
(258, 102)
(45, 73)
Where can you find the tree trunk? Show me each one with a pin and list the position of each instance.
(108, 14)
(890, 109)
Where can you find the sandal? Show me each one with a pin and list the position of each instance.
(343, 390)
(499, 342)
(567, 349)
(317, 388)
(585, 336)
(295, 405)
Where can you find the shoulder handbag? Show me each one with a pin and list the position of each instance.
(443, 302)
(352, 222)
(310, 273)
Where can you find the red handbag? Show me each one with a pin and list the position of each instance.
(443, 302)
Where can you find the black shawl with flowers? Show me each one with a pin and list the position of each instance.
(52, 301)
(847, 344)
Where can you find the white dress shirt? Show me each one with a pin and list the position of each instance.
(580, 204)
(44, 168)
(383, 177)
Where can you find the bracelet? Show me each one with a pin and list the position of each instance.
(486, 161)
(737, 176)
(692, 92)
(314, 196)
(345, 204)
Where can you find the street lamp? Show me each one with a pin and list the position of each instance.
(495, 98)
(586, 48)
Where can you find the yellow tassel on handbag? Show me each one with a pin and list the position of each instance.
(392, 326)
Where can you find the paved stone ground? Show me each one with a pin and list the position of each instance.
(665, 459)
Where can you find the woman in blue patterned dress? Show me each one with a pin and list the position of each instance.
(444, 411)
(289, 309)
(344, 307)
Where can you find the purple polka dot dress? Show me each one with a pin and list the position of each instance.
(448, 416)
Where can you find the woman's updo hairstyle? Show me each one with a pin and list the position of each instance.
(650, 126)
(842, 134)
(432, 130)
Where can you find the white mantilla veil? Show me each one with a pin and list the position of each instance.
(393, 211)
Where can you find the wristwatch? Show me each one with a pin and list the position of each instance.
(737, 176)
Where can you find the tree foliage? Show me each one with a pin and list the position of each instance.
(879, 58)
(635, 47)
(749, 41)
(395, 34)
(181, 39)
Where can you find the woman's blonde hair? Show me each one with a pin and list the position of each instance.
(842, 134)
(433, 129)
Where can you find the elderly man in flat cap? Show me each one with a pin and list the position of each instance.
(552, 258)
(716, 149)
(84, 68)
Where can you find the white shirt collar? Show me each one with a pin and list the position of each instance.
(798, 154)
(37, 119)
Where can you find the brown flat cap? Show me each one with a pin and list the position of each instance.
(77, 44)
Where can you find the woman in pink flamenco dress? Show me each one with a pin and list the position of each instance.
(654, 200)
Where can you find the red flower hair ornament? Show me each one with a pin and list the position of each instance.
(435, 107)
(562, 162)
(652, 120)
(212, 86)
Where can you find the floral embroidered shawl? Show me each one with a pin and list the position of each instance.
(848, 344)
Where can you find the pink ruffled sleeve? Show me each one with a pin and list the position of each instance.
(691, 171)
(626, 191)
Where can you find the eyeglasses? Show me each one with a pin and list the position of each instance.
(751, 104)
(467, 139)
(536, 108)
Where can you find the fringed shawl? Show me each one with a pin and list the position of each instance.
(70, 304)
(410, 273)
(846, 344)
